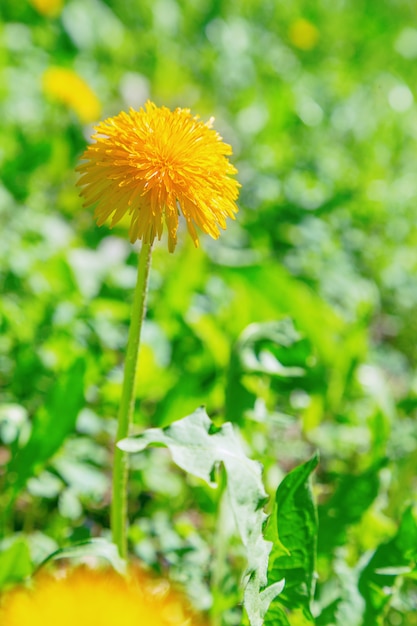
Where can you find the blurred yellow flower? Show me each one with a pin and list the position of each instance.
(152, 163)
(65, 86)
(86, 597)
(50, 8)
(303, 34)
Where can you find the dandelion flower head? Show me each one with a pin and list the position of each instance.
(153, 163)
(86, 597)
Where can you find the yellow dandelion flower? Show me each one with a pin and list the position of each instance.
(66, 86)
(152, 163)
(50, 8)
(84, 597)
(303, 34)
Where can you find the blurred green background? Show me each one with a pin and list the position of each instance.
(298, 325)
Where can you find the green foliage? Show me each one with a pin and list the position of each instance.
(94, 548)
(293, 531)
(353, 495)
(257, 353)
(197, 446)
(390, 560)
(51, 426)
(15, 563)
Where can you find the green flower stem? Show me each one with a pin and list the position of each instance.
(127, 403)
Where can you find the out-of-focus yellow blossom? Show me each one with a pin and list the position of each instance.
(86, 597)
(152, 163)
(303, 34)
(65, 86)
(50, 8)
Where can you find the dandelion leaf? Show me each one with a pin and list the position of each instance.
(197, 446)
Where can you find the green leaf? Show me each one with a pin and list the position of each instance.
(255, 348)
(389, 560)
(259, 350)
(197, 446)
(293, 530)
(54, 421)
(97, 548)
(15, 563)
(353, 496)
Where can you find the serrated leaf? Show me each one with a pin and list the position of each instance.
(293, 530)
(258, 602)
(197, 446)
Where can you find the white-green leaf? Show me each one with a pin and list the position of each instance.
(198, 446)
